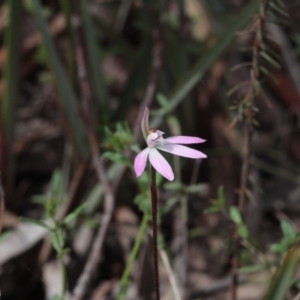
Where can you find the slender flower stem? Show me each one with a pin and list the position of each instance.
(132, 257)
(154, 229)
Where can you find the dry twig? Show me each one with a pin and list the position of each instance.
(171, 274)
(249, 113)
(95, 255)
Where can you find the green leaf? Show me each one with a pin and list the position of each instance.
(235, 215)
(278, 9)
(243, 231)
(163, 101)
(74, 214)
(221, 197)
(143, 202)
(57, 240)
(270, 38)
(50, 207)
(173, 186)
(219, 204)
(56, 183)
(63, 252)
(269, 74)
(39, 199)
(144, 180)
(279, 247)
(283, 277)
(288, 231)
(270, 60)
(212, 209)
(195, 188)
(93, 199)
(116, 157)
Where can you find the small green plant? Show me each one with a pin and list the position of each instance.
(219, 204)
(119, 139)
(52, 202)
(288, 239)
(237, 219)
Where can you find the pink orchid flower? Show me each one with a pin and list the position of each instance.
(154, 139)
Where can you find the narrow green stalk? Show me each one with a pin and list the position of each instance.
(154, 201)
(59, 247)
(132, 257)
(63, 277)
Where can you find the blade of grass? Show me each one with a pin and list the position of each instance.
(192, 77)
(96, 76)
(11, 78)
(283, 277)
(132, 257)
(68, 97)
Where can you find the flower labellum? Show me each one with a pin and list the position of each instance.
(154, 139)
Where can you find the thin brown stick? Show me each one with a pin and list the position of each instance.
(154, 230)
(248, 130)
(171, 275)
(109, 200)
(245, 166)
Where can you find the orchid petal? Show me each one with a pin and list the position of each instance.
(181, 139)
(182, 151)
(140, 162)
(145, 122)
(160, 164)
